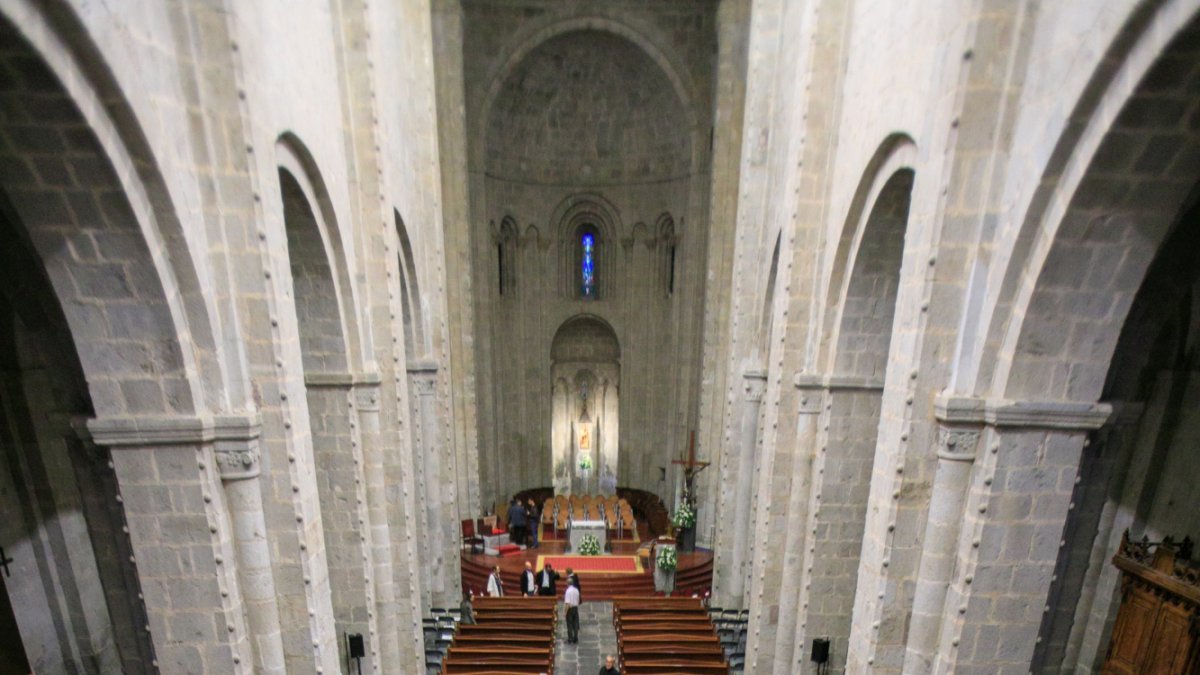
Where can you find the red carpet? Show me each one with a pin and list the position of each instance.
(606, 564)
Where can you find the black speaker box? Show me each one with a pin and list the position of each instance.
(820, 650)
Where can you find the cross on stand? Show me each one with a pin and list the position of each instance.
(690, 468)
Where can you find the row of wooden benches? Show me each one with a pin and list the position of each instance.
(510, 636)
(662, 636)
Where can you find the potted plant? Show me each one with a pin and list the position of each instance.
(684, 521)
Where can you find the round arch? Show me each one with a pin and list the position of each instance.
(163, 255)
(585, 371)
(1088, 219)
(897, 153)
(539, 32)
(294, 160)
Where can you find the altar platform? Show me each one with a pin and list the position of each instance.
(694, 574)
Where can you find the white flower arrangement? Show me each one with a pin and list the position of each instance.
(589, 545)
(667, 559)
(685, 517)
(585, 462)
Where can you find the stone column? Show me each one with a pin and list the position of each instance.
(840, 438)
(341, 488)
(1011, 529)
(754, 387)
(794, 587)
(183, 541)
(384, 637)
(437, 503)
(956, 448)
(106, 522)
(238, 460)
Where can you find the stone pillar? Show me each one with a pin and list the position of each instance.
(238, 461)
(956, 448)
(1011, 529)
(183, 541)
(754, 387)
(436, 503)
(106, 522)
(794, 596)
(340, 477)
(420, 371)
(383, 640)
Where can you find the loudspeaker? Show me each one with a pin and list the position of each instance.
(354, 644)
(820, 650)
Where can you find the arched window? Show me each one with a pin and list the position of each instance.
(587, 266)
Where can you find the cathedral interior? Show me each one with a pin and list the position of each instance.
(294, 291)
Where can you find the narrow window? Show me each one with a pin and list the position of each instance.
(500, 267)
(588, 266)
(671, 277)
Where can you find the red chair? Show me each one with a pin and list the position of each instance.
(469, 538)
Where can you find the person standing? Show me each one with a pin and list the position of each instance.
(610, 666)
(528, 582)
(466, 611)
(535, 520)
(495, 585)
(516, 522)
(571, 602)
(548, 581)
(573, 578)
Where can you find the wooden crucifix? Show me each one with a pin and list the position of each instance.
(690, 468)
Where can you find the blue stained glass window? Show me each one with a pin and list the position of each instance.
(588, 286)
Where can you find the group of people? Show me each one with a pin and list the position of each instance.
(523, 522)
(544, 582)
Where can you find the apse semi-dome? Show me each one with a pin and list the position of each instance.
(587, 108)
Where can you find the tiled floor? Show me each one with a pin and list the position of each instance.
(596, 639)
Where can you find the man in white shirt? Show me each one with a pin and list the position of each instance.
(571, 601)
(495, 586)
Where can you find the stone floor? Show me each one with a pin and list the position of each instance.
(596, 639)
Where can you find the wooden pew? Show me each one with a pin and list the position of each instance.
(504, 639)
(453, 665)
(677, 619)
(510, 635)
(487, 602)
(495, 627)
(672, 667)
(487, 616)
(666, 627)
(667, 635)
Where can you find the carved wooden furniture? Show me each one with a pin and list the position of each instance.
(1158, 625)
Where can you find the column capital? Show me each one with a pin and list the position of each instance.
(812, 391)
(423, 381)
(422, 366)
(341, 380)
(754, 385)
(234, 438)
(958, 443)
(366, 396)
(836, 382)
(1006, 413)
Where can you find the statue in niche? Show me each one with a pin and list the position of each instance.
(608, 482)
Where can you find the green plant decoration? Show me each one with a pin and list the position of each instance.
(667, 559)
(589, 545)
(684, 518)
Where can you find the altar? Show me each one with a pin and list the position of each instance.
(582, 528)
